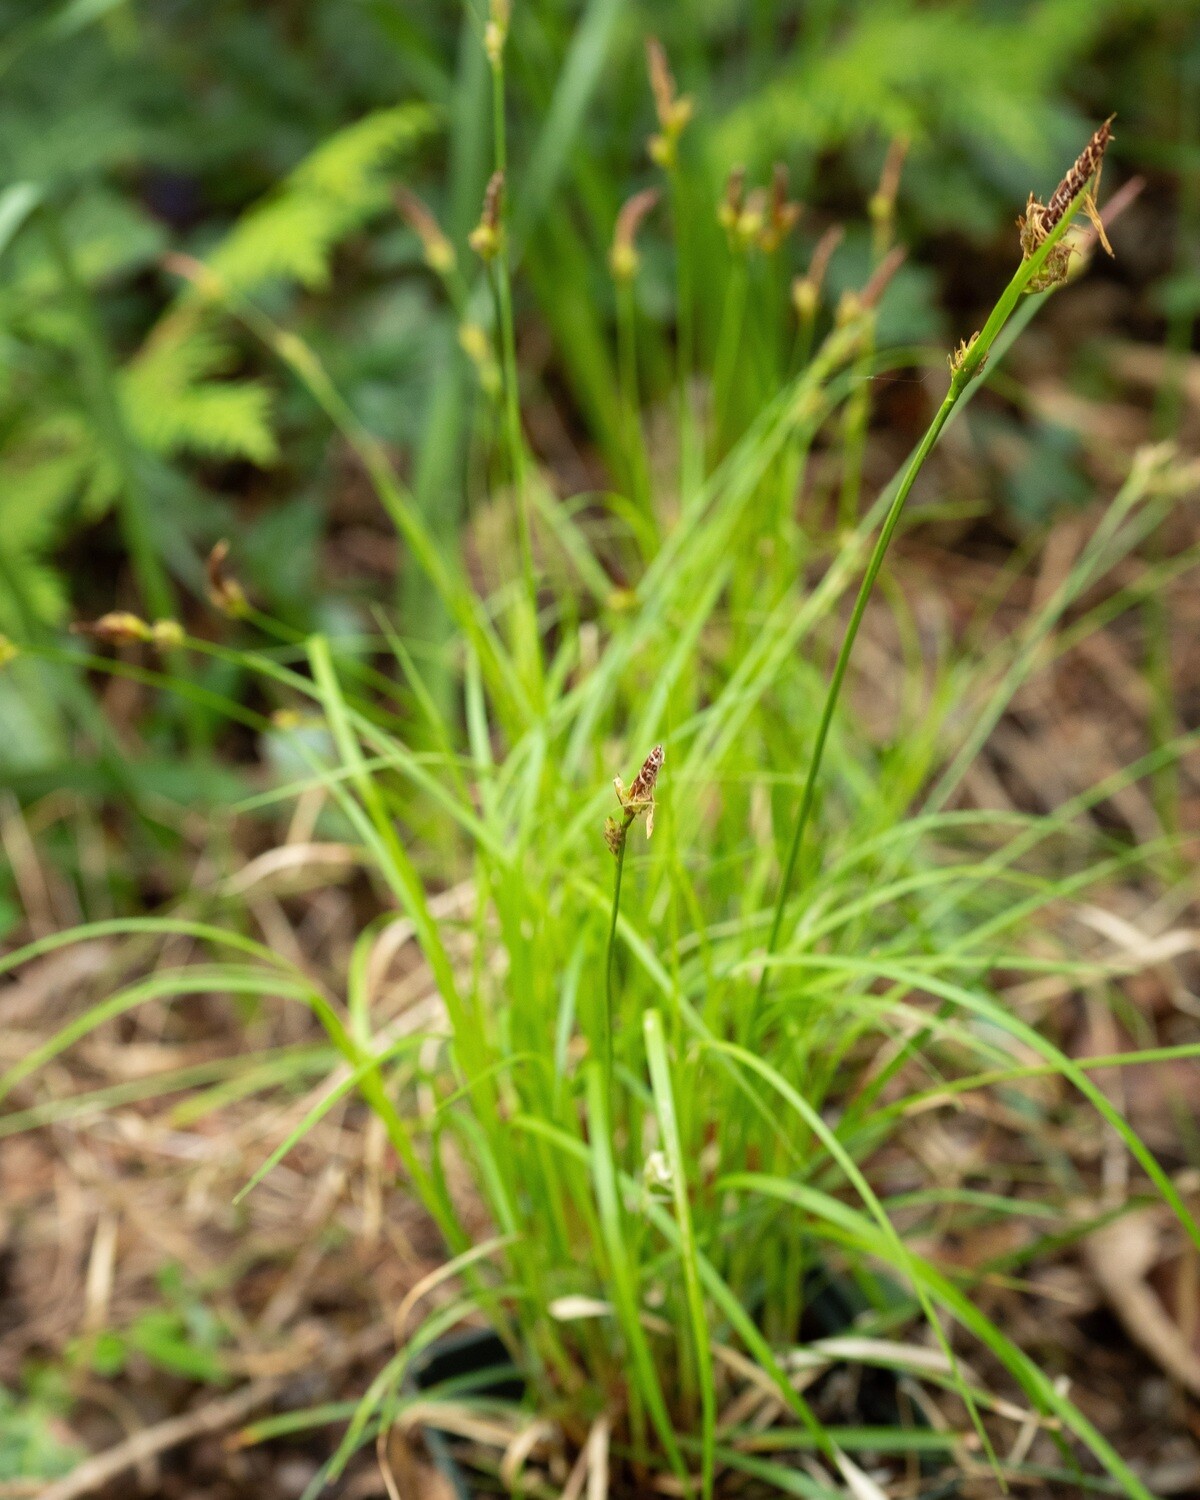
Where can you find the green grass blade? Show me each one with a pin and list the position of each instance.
(664, 1102)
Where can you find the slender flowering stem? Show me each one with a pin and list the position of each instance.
(964, 368)
(674, 111)
(623, 262)
(637, 800)
(689, 447)
(495, 42)
(635, 445)
(606, 1022)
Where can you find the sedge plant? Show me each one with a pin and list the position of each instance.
(677, 1079)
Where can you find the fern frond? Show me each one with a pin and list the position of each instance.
(47, 467)
(219, 420)
(47, 475)
(43, 594)
(330, 194)
(347, 165)
(900, 69)
(173, 399)
(174, 404)
(290, 238)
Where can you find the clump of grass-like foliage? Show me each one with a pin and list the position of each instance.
(670, 1095)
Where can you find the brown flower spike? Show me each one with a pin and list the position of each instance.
(638, 799)
(674, 110)
(623, 257)
(1040, 220)
(806, 289)
(782, 215)
(119, 628)
(485, 238)
(439, 252)
(224, 591)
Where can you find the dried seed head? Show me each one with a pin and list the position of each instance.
(439, 252)
(806, 289)
(623, 257)
(486, 238)
(224, 591)
(1087, 165)
(882, 275)
(637, 800)
(823, 253)
(673, 110)
(662, 83)
(118, 628)
(854, 305)
(730, 210)
(882, 206)
(743, 216)
(782, 214)
(1040, 220)
(646, 779)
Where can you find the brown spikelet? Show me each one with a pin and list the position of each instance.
(730, 210)
(662, 84)
(439, 252)
(1087, 164)
(882, 275)
(224, 591)
(644, 782)
(806, 289)
(823, 253)
(484, 239)
(1040, 220)
(893, 166)
(623, 256)
(492, 199)
(118, 628)
(635, 801)
(782, 214)
(673, 109)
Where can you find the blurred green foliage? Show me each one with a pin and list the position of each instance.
(32, 1441)
(183, 1337)
(264, 139)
